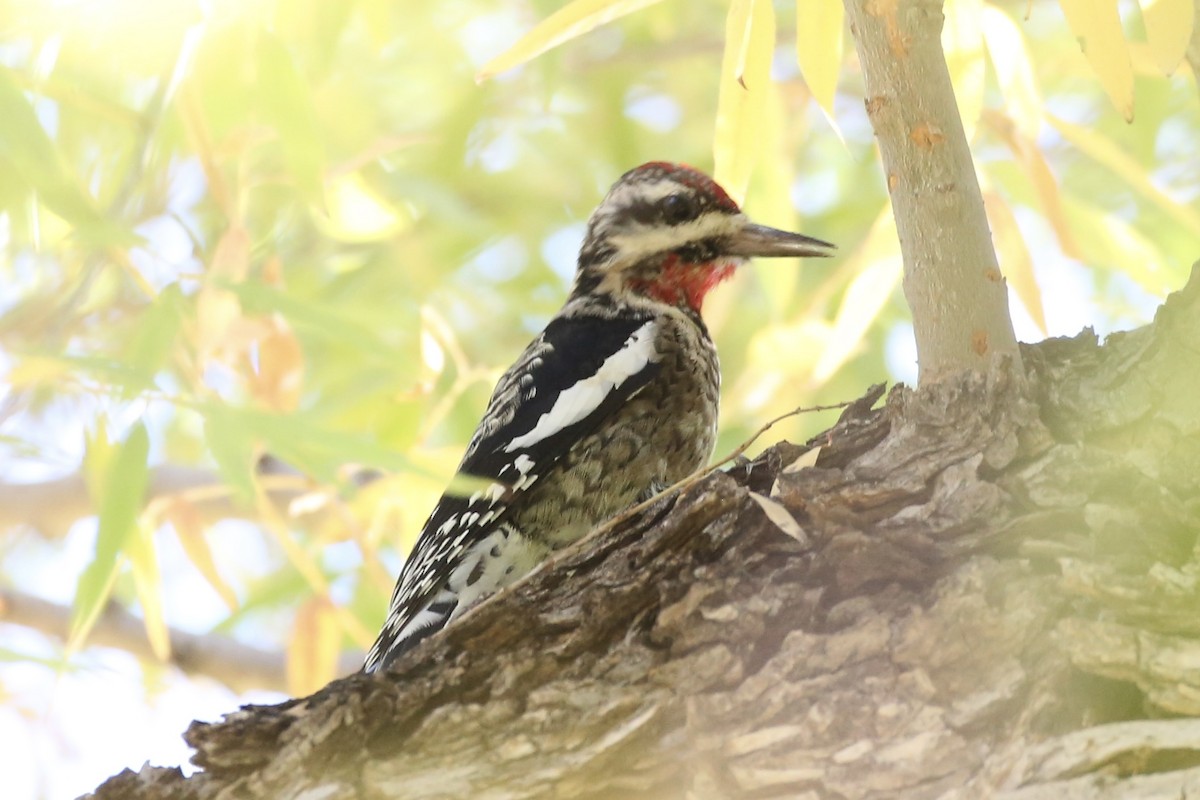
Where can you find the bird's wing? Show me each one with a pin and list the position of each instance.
(577, 373)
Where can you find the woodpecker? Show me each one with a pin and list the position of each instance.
(615, 400)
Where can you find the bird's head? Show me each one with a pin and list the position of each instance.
(669, 233)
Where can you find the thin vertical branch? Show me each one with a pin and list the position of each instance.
(952, 280)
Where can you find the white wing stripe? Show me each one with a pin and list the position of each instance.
(576, 402)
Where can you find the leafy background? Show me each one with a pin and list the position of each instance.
(320, 231)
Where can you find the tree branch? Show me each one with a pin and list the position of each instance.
(952, 281)
(238, 666)
(52, 507)
(978, 576)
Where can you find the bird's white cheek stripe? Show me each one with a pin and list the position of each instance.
(576, 402)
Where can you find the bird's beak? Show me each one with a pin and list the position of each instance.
(759, 240)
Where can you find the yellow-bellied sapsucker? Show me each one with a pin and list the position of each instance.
(613, 401)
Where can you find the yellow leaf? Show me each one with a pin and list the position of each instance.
(819, 46)
(1015, 263)
(879, 266)
(1097, 27)
(147, 581)
(231, 259)
(962, 39)
(189, 528)
(277, 377)
(218, 309)
(312, 650)
(1014, 71)
(1169, 25)
(33, 371)
(741, 100)
(1038, 171)
(570, 21)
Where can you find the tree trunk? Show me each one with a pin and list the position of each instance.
(986, 588)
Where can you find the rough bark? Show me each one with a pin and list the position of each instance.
(952, 281)
(985, 588)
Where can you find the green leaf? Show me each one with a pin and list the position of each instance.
(569, 22)
(231, 442)
(310, 318)
(122, 489)
(1111, 243)
(286, 101)
(300, 440)
(154, 338)
(1104, 152)
(25, 145)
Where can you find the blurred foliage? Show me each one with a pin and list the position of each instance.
(303, 228)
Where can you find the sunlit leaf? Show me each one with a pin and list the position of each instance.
(879, 266)
(313, 647)
(1014, 258)
(1104, 152)
(122, 490)
(1014, 71)
(1097, 27)
(570, 21)
(357, 213)
(742, 96)
(1169, 25)
(819, 45)
(962, 40)
(189, 528)
(147, 581)
(1034, 165)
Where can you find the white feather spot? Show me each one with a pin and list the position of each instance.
(576, 402)
(524, 482)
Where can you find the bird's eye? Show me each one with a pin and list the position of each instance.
(677, 208)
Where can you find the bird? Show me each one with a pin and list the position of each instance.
(615, 400)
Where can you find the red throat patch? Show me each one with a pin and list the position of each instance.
(681, 281)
